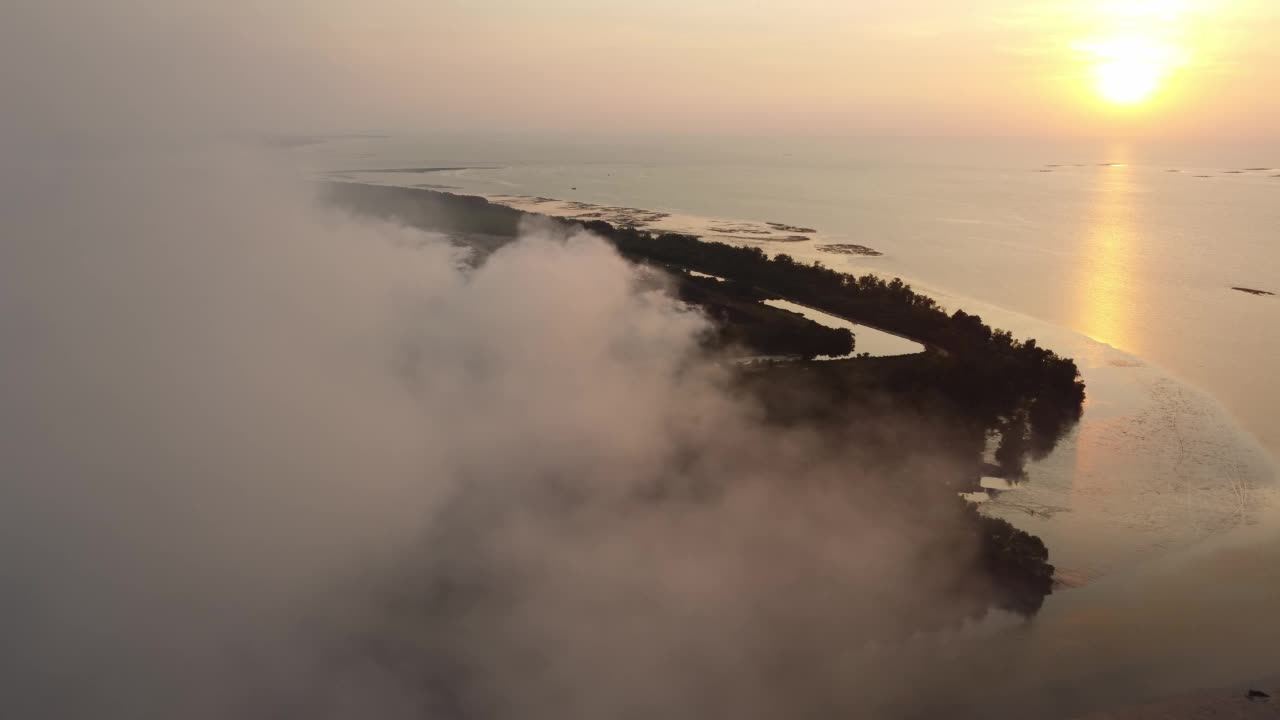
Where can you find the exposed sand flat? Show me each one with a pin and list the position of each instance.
(715, 229)
(850, 249)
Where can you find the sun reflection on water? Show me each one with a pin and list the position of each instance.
(1106, 307)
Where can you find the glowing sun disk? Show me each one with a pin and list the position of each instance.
(1130, 70)
(1128, 82)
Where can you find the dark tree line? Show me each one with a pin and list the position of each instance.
(982, 380)
(1024, 393)
(741, 321)
(987, 369)
(1009, 367)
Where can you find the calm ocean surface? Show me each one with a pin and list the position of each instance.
(1122, 255)
(1110, 244)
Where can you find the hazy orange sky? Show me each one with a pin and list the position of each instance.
(986, 67)
(964, 66)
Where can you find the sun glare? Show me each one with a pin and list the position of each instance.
(1137, 48)
(1129, 78)
(1127, 83)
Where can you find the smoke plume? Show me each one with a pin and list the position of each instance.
(263, 459)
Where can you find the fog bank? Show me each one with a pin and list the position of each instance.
(265, 460)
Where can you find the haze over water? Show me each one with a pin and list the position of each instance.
(235, 424)
(1123, 242)
(1123, 255)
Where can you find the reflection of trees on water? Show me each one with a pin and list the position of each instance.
(1030, 434)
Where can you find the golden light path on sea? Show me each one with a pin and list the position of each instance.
(1108, 299)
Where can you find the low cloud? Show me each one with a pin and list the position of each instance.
(263, 456)
(263, 459)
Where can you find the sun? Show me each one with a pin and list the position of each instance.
(1128, 82)
(1137, 47)
(1130, 69)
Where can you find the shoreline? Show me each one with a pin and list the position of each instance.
(685, 223)
(1097, 358)
(1068, 609)
(1085, 297)
(1094, 353)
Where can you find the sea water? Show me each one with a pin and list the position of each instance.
(1159, 507)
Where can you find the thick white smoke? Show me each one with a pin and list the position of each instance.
(262, 459)
(233, 423)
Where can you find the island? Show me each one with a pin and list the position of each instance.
(850, 249)
(976, 395)
(1252, 291)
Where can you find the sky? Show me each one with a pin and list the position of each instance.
(932, 67)
(826, 66)
(246, 438)
(226, 424)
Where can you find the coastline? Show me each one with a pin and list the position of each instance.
(963, 225)
(665, 220)
(1123, 493)
(1119, 383)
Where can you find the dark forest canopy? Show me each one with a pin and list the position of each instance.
(1020, 387)
(988, 370)
(742, 321)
